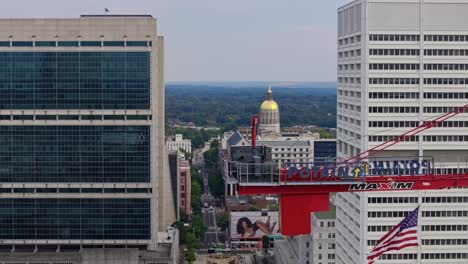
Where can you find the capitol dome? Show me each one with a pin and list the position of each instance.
(269, 115)
(269, 103)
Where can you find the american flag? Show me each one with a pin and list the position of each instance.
(403, 235)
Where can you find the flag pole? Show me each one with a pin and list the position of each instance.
(419, 225)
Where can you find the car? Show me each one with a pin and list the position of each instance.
(211, 209)
(205, 205)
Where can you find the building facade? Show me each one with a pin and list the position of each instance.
(401, 63)
(323, 237)
(82, 128)
(178, 143)
(185, 186)
(283, 151)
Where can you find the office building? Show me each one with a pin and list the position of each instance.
(178, 143)
(324, 149)
(185, 186)
(323, 237)
(402, 62)
(82, 125)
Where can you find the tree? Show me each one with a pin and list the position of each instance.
(222, 220)
(190, 256)
(196, 197)
(192, 242)
(324, 133)
(199, 228)
(184, 218)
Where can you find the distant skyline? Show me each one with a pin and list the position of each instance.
(223, 41)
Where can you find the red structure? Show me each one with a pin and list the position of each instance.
(254, 131)
(305, 188)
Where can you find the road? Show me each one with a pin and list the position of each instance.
(209, 214)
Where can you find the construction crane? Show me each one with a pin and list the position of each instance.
(305, 188)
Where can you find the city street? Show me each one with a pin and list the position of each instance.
(209, 214)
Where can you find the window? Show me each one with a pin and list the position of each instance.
(68, 43)
(22, 43)
(90, 43)
(114, 43)
(137, 43)
(45, 43)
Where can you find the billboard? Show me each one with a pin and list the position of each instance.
(254, 224)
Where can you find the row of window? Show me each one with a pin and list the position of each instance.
(393, 37)
(446, 95)
(425, 256)
(394, 66)
(402, 214)
(451, 81)
(350, 53)
(445, 138)
(349, 40)
(415, 52)
(349, 93)
(385, 214)
(435, 228)
(415, 124)
(349, 66)
(445, 199)
(414, 66)
(445, 52)
(379, 200)
(412, 109)
(66, 219)
(349, 80)
(75, 190)
(427, 228)
(75, 117)
(446, 67)
(444, 242)
(446, 38)
(394, 123)
(394, 81)
(394, 95)
(75, 43)
(393, 109)
(443, 109)
(387, 138)
(429, 242)
(445, 213)
(455, 81)
(444, 256)
(394, 52)
(350, 107)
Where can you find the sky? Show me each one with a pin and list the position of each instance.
(223, 40)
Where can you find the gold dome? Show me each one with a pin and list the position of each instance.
(269, 103)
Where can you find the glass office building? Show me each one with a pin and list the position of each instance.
(81, 128)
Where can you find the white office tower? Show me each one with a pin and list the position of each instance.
(401, 62)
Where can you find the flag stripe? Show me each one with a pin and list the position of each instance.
(397, 248)
(400, 236)
(395, 244)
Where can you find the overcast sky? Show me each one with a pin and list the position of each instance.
(223, 40)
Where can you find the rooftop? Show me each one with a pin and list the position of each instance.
(327, 215)
(289, 143)
(122, 15)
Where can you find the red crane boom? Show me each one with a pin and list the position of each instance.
(310, 193)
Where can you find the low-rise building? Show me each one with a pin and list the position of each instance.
(323, 236)
(177, 142)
